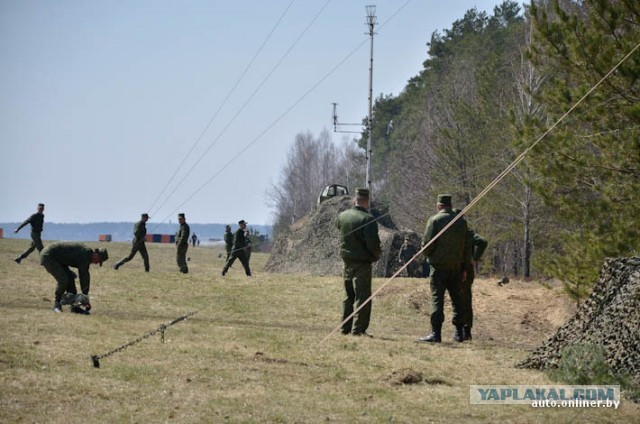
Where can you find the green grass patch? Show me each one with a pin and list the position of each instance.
(253, 352)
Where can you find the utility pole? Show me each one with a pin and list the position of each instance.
(371, 23)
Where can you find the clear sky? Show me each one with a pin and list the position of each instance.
(102, 100)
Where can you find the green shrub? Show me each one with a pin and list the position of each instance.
(586, 364)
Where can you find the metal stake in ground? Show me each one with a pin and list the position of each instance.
(95, 359)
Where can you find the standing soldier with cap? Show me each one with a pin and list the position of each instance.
(446, 256)
(228, 240)
(359, 248)
(408, 251)
(37, 222)
(475, 247)
(182, 244)
(57, 258)
(138, 244)
(238, 249)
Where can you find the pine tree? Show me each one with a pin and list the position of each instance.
(589, 167)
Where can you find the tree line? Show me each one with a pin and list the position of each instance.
(491, 85)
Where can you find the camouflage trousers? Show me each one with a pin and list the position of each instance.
(244, 260)
(445, 280)
(181, 258)
(135, 248)
(466, 298)
(357, 285)
(36, 243)
(64, 277)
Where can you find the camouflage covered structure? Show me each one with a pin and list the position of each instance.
(610, 318)
(311, 245)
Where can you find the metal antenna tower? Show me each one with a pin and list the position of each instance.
(371, 23)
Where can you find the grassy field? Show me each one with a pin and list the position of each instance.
(253, 352)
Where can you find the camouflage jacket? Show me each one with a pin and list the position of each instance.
(359, 240)
(36, 220)
(448, 250)
(239, 240)
(139, 231)
(75, 255)
(182, 236)
(228, 240)
(475, 247)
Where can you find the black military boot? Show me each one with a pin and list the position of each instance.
(434, 337)
(459, 334)
(467, 333)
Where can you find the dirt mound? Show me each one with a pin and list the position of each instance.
(311, 245)
(610, 318)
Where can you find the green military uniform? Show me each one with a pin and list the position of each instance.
(228, 241)
(446, 256)
(37, 224)
(240, 244)
(58, 257)
(138, 244)
(408, 251)
(359, 248)
(248, 249)
(182, 245)
(475, 247)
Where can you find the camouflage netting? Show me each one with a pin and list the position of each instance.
(311, 245)
(610, 318)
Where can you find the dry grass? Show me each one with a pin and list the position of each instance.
(253, 351)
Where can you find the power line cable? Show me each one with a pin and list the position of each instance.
(244, 105)
(224, 102)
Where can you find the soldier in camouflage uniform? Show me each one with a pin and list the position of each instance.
(408, 251)
(238, 250)
(476, 245)
(228, 240)
(359, 248)
(37, 222)
(446, 256)
(58, 257)
(138, 244)
(182, 244)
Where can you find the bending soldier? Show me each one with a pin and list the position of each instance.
(57, 258)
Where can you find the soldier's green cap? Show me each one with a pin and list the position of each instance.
(180, 215)
(103, 255)
(362, 192)
(242, 221)
(444, 199)
(145, 215)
